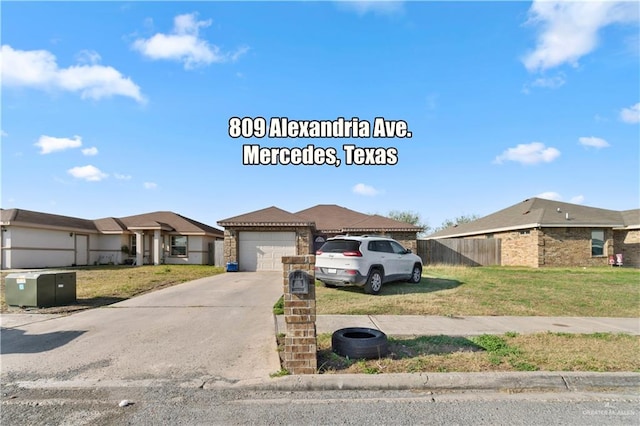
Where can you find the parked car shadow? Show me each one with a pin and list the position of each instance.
(411, 354)
(14, 341)
(426, 285)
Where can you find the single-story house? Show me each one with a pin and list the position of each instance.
(38, 240)
(258, 240)
(539, 232)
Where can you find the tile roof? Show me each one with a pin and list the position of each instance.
(537, 212)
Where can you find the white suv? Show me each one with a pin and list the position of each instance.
(368, 261)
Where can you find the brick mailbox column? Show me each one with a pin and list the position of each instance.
(300, 347)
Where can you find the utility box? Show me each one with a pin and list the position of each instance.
(40, 289)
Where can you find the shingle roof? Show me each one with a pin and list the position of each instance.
(327, 218)
(631, 218)
(170, 221)
(266, 217)
(110, 225)
(537, 212)
(16, 216)
(331, 218)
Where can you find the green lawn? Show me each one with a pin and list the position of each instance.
(519, 291)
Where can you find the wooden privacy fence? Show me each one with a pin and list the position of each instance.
(454, 251)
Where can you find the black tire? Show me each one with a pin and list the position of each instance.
(374, 282)
(360, 343)
(416, 274)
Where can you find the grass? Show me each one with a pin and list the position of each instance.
(517, 291)
(602, 352)
(103, 285)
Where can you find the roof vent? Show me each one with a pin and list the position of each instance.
(558, 210)
(566, 216)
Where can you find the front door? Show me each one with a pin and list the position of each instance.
(82, 250)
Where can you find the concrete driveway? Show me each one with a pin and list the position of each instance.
(215, 328)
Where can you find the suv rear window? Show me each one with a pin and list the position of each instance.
(340, 246)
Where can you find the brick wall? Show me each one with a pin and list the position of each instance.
(520, 248)
(572, 247)
(300, 344)
(627, 242)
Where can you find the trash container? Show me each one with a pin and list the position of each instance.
(40, 289)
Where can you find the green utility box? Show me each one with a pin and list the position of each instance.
(40, 289)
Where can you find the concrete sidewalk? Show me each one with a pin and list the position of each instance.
(412, 325)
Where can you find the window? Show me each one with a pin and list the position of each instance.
(178, 245)
(597, 242)
(132, 243)
(397, 248)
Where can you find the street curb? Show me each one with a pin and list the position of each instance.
(503, 382)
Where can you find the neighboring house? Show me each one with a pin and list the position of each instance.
(539, 232)
(258, 240)
(38, 240)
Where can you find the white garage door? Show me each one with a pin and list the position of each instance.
(262, 251)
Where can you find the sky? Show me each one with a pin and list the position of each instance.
(216, 109)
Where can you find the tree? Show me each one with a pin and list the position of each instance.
(409, 217)
(457, 221)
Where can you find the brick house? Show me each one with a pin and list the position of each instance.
(258, 240)
(539, 232)
(39, 240)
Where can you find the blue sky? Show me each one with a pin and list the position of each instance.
(121, 108)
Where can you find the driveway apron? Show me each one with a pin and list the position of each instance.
(219, 327)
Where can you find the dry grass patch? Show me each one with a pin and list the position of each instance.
(444, 290)
(510, 352)
(103, 285)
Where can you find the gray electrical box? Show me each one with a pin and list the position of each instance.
(40, 289)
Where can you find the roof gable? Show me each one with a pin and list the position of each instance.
(269, 216)
(169, 221)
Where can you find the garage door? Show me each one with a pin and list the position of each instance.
(262, 251)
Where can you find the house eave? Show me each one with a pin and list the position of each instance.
(262, 224)
(527, 226)
(50, 227)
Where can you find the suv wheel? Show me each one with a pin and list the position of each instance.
(374, 282)
(416, 274)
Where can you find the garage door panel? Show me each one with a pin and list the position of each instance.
(263, 251)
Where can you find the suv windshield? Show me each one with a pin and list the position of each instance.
(340, 246)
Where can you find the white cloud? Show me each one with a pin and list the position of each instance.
(569, 30)
(631, 115)
(363, 189)
(121, 177)
(593, 142)
(185, 45)
(90, 151)
(546, 82)
(578, 199)
(550, 196)
(150, 185)
(38, 69)
(88, 173)
(49, 144)
(532, 153)
(4, 134)
(378, 7)
(88, 57)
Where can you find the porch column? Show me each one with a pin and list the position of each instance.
(139, 248)
(157, 247)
